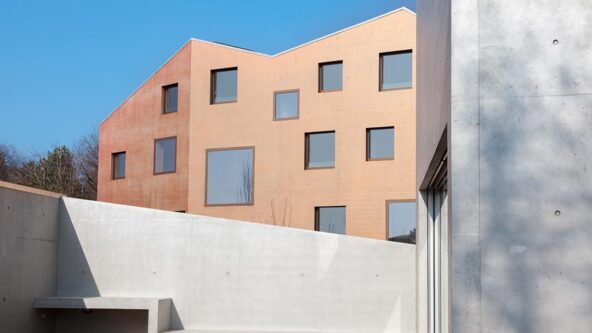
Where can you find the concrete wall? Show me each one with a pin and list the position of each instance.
(433, 115)
(279, 175)
(520, 147)
(28, 257)
(224, 274)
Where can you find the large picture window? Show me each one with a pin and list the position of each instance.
(230, 176)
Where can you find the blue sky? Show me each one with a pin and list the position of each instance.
(65, 65)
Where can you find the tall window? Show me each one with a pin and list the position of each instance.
(380, 143)
(396, 70)
(401, 221)
(230, 176)
(285, 104)
(331, 76)
(224, 85)
(170, 98)
(118, 165)
(330, 219)
(165, 155)
(319, 150)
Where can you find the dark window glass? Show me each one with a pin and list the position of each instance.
(330, 219)
(229, 177)
(165, 155)
(396, 70)
(320, 150)
(118, 162)
(330, 76)
(286, 105)
(170, 98)
(224, 85)
(401, 222)
(381, 143)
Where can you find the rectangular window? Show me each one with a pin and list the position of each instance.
(165, 155)
(380, 143)
(170, 98)
(286, 104)
(330, 76)
(396, 70)
(224, 85)
(230, 176)
(400, 219)
(118, 165)
(319, 150)
(330, 219)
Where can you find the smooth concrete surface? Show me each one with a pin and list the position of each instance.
(520, 147)
(230, 275)
(28, 257)
(433, 117)
(159, 310)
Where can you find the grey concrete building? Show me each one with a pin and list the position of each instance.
(504, 137)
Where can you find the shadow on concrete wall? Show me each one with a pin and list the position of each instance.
(535, 182)
(75, 278)
(75, 275)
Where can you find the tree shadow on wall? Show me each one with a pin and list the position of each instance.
(535, 125)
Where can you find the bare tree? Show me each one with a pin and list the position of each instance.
(10, 162)
(53, 172)
(275, 219)
(244, 193)
(86, 159)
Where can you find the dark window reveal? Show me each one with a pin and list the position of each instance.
(170, 98)
(320, 150)
(396, 70)
(118, 165)
(331, 76)
(330, 219)
(224, 85)
(165, 155)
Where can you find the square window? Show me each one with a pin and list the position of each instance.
(224, 85)
(118, 165)
(331, 76)
(401, 217)
(396, 70)
(165, 155)
(380, 143)
(286, 104)
(170, 98)
(320, 150)
(229, 176)
(330, 219)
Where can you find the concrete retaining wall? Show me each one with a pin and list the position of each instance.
(224, 274)
(28, 257)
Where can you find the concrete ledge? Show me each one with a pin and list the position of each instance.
(245, 331)
(28, 189)
(159, 309)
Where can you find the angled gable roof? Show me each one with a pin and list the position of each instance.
(401, 9)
